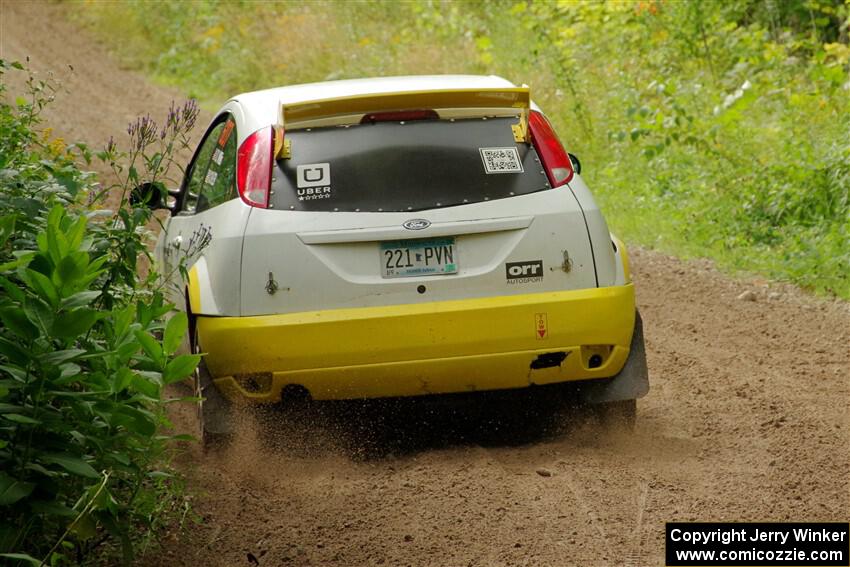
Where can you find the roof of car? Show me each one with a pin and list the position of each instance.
(263, 106)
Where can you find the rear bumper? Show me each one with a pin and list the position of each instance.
(440, 347)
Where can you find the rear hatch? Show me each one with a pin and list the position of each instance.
(394, 211)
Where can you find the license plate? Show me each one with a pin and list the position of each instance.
(425, 257)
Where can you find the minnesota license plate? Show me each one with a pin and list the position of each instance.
(424, 257)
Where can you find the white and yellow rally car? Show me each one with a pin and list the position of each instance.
(397, 237)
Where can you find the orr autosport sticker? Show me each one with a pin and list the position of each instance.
(313, 181)
(500, 160)
(530, 271)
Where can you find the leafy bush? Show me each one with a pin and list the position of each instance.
(721, 129)
(82, 369)
(716, 129)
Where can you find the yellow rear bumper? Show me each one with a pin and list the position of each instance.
(428, 348)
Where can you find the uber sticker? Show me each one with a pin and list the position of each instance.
(313, 175)
(211, 177)
(524, 272)
(500, 160)
(313, 193)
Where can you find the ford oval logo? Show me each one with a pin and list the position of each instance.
(416, 224)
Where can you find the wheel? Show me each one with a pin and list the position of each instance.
(621, 414)
(214, 411)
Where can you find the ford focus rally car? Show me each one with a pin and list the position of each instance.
(396, 237)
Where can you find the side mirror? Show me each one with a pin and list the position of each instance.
(151, 195)
(576, 163)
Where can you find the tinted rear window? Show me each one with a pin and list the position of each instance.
(392, 166)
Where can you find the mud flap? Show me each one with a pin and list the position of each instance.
(215, 411)
(631, 383)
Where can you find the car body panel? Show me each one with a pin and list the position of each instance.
(210, 246)
(605, 261)
(624, 273)
(413, 349)
(332, 260)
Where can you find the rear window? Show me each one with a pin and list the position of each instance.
(405, 166)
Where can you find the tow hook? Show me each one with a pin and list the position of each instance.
(271, 286)
(568, 263)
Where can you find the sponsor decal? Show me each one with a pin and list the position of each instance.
(313, 193)
(530, 271)
(225, 134)
(211, 177)
(416, 224)
(500, 160)
(313, 175)
(541, 326)
(313, 181)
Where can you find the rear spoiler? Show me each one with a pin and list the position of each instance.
(295, 115)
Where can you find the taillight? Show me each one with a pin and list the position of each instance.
(399, 116)
(254, 167)
(556, 161)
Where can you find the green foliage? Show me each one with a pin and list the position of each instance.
(81, 370)
(716, 129)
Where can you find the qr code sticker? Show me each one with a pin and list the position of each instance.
(500, 160)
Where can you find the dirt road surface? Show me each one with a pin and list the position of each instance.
(748, 418)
